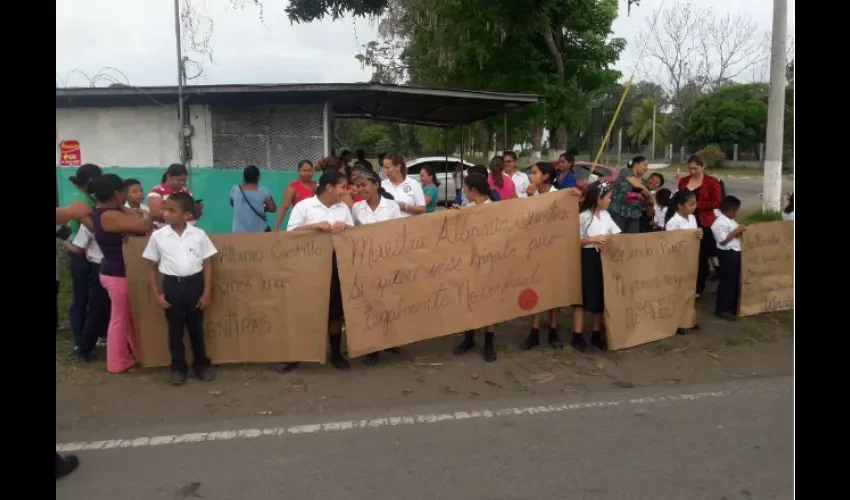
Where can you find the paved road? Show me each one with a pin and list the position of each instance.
(721, 441)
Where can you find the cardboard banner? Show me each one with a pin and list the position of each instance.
(650, 286)
(431, 275)
(269, 302)
(767, 268)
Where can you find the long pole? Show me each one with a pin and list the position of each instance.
(182, 139)
(772, 189)
(652, 149)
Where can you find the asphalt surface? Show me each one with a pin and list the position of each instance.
(721, 441)
(749, 190)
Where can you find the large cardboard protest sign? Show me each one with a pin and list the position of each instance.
(269, 299)
(650, 286)
(430, 275)
(767, 268)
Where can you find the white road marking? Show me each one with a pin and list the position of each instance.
(198, 437)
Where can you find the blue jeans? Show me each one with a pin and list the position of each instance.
(80, 276)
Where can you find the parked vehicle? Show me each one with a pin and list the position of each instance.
(444, 173)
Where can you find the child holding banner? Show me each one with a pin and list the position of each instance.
(376, 206)
(788, 213)
(727, 234)
(181, 253)
(680, 214)
(541, 181)
(477, 191)
(595, 226)
(326, 212)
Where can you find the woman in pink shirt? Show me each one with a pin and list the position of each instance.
(499, 181)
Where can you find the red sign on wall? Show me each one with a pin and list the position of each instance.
(69, 154)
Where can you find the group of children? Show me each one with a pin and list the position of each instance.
(180, 252)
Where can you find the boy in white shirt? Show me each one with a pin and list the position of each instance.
(181, 253)
(727, 234)
(97, 315)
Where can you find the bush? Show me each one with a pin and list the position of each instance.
(712, 155)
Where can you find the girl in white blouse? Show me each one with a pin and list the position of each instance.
(376, 206)
(595, 226)
(680, 214)
(477, 191)
(326, 212)
(541, 181)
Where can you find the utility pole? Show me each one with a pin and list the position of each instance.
(182, 139)
(620, 145)
(772, 189)
(652, 149)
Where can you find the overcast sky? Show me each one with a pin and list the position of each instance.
(138, 38)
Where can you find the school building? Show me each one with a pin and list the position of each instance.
(135, 131)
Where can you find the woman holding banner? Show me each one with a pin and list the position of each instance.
(709, 195)
(327, 213)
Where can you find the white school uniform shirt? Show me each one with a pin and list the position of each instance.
(590, 226)
(408, 192)
(85, 240)
(551, 190)
(679, 222)
(144, 208)
(179, 255)
(521, 182)
(660, 213)
(362, 213)
(313, 211)
(787, 216)
(721, 229)
(472, 203)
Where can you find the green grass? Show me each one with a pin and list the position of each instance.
(759, 217)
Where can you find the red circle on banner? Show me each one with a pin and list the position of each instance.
(528, 299)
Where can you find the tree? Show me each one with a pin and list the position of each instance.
(485, 45)
(734, 114)
(692, 45)
(640, 130)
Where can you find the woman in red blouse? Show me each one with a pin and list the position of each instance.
(300, 189)
(709, 195)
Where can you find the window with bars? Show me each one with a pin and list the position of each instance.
(273, 137)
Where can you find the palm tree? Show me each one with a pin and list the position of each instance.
(640, 131)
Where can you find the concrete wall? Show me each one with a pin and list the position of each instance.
(143, 136)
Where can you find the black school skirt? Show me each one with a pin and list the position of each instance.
(592, 292)
(335, 311)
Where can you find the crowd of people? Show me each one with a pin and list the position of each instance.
(104, 209)
(111, 208)
(347, 196)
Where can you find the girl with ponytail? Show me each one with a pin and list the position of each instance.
(477, 191)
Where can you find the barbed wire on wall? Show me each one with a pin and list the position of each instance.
(109, 76)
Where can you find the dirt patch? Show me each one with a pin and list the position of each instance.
(91, 399)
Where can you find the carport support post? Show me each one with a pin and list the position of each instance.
(446, 163)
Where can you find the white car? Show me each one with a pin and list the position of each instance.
(444, 170)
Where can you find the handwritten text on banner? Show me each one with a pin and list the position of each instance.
(767, 268)
(650, 285)
(269, 299)
(422, 277)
